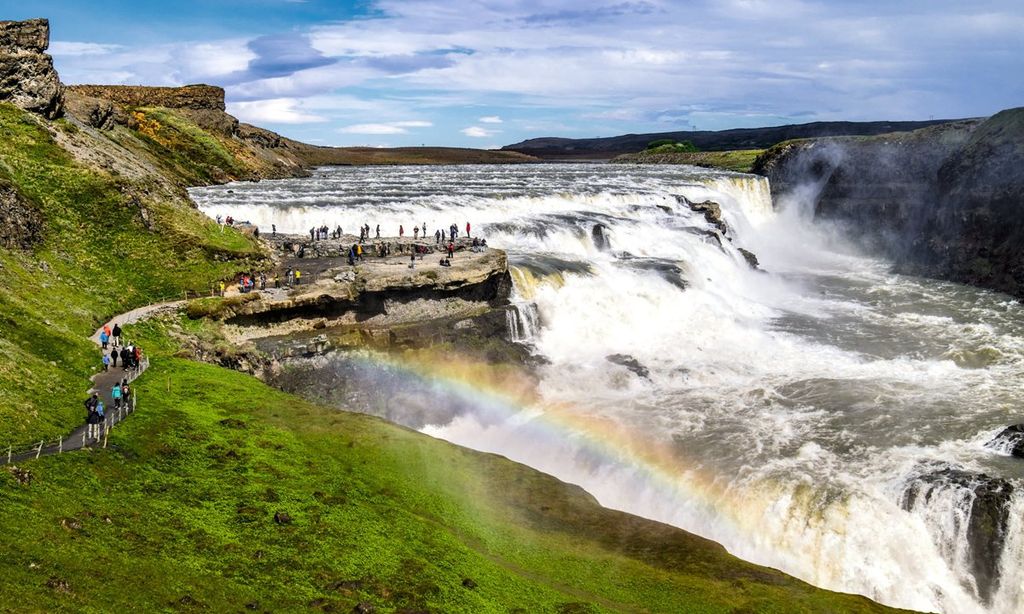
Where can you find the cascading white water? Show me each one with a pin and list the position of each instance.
(789, 408)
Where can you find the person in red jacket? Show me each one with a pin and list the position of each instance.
(467, 230)
(451, 249)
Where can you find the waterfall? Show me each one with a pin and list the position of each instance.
(807, 415)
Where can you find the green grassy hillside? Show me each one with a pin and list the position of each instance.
(178, 514)
(741, 160)
(109, 243)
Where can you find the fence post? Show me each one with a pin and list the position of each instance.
(39, 450)
(60, 445)
(106, 432)
(10, 452)
(84, 434)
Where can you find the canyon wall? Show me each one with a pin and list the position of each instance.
(944, 201)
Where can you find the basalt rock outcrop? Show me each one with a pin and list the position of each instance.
(1009, 441)
(944, 201)
(195, 97)
(377, 293)
(983, 504)
(20, 222)
(27, 76)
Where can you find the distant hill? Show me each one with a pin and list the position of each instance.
(706, 140)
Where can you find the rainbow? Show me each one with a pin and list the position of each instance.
(506, 395)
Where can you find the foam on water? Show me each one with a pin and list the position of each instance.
(790, 405)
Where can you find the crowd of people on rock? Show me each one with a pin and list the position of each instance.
(356, 252)
(247, 283)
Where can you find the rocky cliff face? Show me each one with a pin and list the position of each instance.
(942, 201)
(27, 76)
(196, 97)
(20, 222)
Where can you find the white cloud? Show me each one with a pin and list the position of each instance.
(385, 128)
(273, 111)
(490, 119)
(72, 48)
(478, 132)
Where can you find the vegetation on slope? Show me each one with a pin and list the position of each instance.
(179, 514)
(741, 161)
(109, 243)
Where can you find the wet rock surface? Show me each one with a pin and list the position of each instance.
(600, 236)
(632, 364)
(981, 514)
(1009, 441)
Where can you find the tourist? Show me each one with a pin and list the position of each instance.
(378, 231)
(115, 394)
(222, 288)
(467, 230)
(125, 358)
(312, 232)
(277, 281)
(104, 339)
(137, 357)
(424, 230)
(401, 231)
(126, 393)
(437, 236)
(273, 230)
(359, 253)
(412, 261)
(93, 420)
(451, 249)
(113, 358)
(298, 277)
(106, 361)
(116, 335)
(256, 232)
(352, 256)
(415, 233)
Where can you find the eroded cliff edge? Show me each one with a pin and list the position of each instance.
(945, 201)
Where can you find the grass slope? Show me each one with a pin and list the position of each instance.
(97, 256)
(741, 160)
(178, 515)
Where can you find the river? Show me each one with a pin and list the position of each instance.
(823, 415)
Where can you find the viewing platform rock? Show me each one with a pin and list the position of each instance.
(387, 287)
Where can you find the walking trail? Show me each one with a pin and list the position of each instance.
(102, 383)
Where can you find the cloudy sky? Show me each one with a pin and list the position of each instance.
(492, 72)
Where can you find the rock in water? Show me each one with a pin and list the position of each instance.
(978, 507)
(27, 77)
(600, 236)
(711, 210)
(1009, 441)
(630, 363)
(750, 258)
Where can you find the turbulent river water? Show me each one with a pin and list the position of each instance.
(824, 416)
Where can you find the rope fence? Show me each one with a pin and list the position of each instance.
(79, 438)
